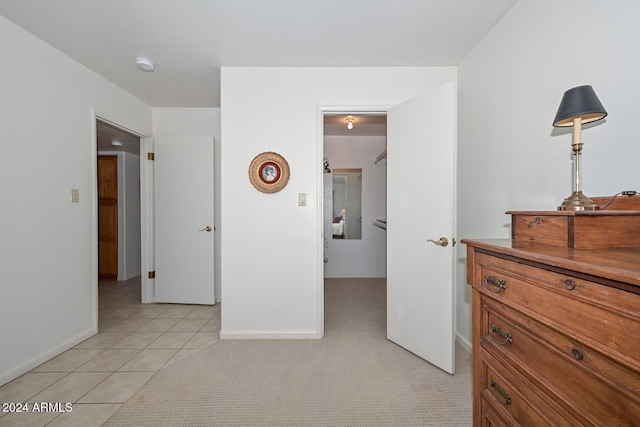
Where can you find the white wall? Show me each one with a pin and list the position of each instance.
(366, 257)
(272, 248)
(510, 87)
(193, 122)
(48, 267)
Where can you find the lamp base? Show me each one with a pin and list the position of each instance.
(578, 202)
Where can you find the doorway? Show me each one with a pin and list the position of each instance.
(354, 200)
(118, 179)
(420, 205)
(118, 215)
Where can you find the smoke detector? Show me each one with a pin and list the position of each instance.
(145, 64)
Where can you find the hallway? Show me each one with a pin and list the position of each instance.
(98, 375)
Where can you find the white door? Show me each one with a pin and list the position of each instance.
(420, 206)
(183, 204)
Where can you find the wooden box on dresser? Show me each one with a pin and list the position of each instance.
(556, 334)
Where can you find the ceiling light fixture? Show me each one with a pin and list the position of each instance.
(116, 143)
(350, 121)
(145, 64)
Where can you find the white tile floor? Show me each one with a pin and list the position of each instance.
(98, 375)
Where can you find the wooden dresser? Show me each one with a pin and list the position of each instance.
(556, 334)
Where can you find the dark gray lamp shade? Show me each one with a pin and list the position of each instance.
(579, 102)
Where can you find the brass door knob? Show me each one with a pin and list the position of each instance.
(207, 229)
(443, 241)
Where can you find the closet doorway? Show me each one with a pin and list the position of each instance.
(420, 276)
(354, 201)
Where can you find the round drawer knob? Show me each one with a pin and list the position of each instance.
(569, 284)
(577, 354)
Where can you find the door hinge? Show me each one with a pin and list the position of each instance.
(150, 156)
(152, 275)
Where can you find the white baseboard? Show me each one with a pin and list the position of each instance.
(464, 342)
(301, 335)
(14, 372)
(269, 335)
(128, 276)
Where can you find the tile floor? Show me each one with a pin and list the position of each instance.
(98, 375)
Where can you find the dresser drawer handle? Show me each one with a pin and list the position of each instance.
(500, 284)
(569, 284)
(535, 221)
(577, 354)
(505, 396)
(502, 334)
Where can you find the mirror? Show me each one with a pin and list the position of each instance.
(347, 204)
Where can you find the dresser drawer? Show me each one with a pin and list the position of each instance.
(499, 323)
(547, 229)
(489, 417)
(512, 400)
(578, 229)
(609, 391)
(601, 315)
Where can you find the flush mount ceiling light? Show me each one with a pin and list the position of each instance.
(116, 143)
(145, 64)
(350, 121)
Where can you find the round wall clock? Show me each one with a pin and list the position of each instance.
(269, 172)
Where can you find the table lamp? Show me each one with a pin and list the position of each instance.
(579, 105)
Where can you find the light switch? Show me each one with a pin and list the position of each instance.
(302, 199)
(75, 195)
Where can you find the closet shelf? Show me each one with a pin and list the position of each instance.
(380, 223)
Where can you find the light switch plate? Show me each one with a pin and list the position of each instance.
(75, 195)
(302, 199)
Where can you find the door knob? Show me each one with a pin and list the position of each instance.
(443, 241)
(207, 229)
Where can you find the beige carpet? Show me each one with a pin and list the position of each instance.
(352, 377)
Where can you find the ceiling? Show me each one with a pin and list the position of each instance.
(111, 138)
(363, 125)
(189, 40)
